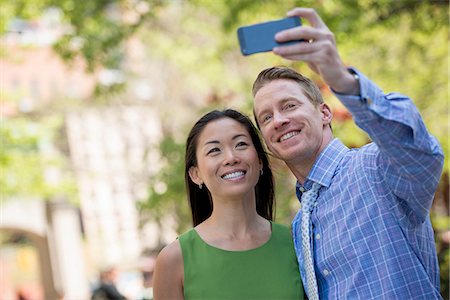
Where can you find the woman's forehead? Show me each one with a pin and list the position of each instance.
(223, 129)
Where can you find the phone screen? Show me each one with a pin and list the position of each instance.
(261, 37)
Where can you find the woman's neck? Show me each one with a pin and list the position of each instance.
(235, 217)
(237, 232)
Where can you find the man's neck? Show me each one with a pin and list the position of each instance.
(302, 167)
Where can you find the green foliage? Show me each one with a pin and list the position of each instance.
(28, 162)
(410, 50)
(97, 31)
(18, 9)
(167, 191)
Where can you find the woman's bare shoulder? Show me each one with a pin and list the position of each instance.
(170, 255)
(168, 274)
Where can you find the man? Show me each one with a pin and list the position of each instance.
(369, 234)
(107, 289)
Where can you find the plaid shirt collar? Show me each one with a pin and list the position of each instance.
(325, 167)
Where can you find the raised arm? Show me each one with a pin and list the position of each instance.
(410, 158)
(168, 274)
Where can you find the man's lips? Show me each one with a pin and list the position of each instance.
(289, 135)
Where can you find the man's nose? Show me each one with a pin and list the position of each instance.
(279, 120)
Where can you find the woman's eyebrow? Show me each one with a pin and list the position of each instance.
(212, 142)
(238, 136)
(233, 138)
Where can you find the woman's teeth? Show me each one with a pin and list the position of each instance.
(233, 175)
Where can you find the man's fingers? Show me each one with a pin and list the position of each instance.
(296, 33)
(301, 33)
(299, 48)
(295, 57)
(309, 14)
(306, 58)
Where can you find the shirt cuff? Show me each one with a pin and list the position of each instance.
(361, 105)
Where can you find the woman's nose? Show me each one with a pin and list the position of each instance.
(230, 158)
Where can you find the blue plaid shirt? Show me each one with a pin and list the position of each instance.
(372, 235)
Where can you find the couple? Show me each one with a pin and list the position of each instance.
(363, 230)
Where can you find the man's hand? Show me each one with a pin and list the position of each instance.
(319, 51)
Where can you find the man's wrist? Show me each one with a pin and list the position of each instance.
(349, 84)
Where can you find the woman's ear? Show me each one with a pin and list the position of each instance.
(327, 115)
(195, 176)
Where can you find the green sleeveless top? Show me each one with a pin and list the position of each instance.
(267, 272)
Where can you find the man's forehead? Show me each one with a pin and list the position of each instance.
(278, 91)
(278, 86)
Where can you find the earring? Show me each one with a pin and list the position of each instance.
(262, 172)
(200, 186)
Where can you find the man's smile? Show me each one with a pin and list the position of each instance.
(289, 135)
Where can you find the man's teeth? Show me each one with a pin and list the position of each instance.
(289, 135)
(233, 175)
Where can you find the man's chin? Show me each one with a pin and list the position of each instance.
(285, 155)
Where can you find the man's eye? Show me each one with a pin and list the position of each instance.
(266, 118)
(289, 105)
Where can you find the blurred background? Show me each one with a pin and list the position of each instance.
(97, 98)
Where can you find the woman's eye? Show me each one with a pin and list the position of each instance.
(242, 144)
(213, 150)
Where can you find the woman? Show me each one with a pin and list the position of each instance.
(234, 250)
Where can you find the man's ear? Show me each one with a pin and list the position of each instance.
(327, 115)
(195, 176)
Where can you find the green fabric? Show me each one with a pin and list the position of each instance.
(267, 272)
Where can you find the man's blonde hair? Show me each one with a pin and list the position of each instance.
(280, 72)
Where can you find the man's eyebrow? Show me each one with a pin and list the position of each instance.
(287, 99)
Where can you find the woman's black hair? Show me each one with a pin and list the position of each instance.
(200, 198)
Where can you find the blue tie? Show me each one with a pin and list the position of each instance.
(309, 199)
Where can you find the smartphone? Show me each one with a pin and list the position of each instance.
(261, 37)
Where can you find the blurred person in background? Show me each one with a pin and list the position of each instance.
(147, 268)
(107, 289)
(147, 280)
(364, 230)
(23, 294)
(234, 251)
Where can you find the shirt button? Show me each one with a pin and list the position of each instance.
(318, 236)
(302, 189)
(326, 272)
